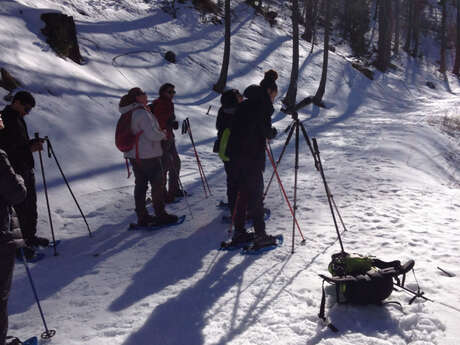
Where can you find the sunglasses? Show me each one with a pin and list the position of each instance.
(171, 92)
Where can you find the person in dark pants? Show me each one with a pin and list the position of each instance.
(12, 191)
(15, 141)
(145, 158)
(251, 128)
(229, 101)
(163, 109)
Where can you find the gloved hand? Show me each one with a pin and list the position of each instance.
(20, 243)
(273, 133)
(175, 124)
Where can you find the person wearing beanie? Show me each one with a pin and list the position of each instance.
(15, 141)
(229, 101)
(163, 109)
(145, 159)
(251, 127)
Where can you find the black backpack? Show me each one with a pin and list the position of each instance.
(362, 280)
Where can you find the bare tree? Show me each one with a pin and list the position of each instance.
(317, 99)
(384, 43)
(310, 11)
(291, 95)
(220, 85)
(456, 69)
(442, 62)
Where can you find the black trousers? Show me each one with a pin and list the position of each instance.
(7, 259)
(246, 195)
(171, 167)
(26, 211)
(148, 171)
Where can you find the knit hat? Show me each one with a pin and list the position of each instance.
(229, 98)
(269, 81)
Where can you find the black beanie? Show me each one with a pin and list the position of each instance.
(229, 99)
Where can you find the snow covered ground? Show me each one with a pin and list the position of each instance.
(393, 172)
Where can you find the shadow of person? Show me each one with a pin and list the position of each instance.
(177, 260)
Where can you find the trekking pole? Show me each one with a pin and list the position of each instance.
(290, 128)
(37, 137)
(187, 129)
(49, 333)
(315, 146)
(284, 193)
(337, 210)
(51, 153)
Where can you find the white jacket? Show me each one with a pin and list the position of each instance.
(150, 139)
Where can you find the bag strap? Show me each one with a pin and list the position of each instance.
(322, 308)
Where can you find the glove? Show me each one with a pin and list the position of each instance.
(175, 124)
(273, 133)
(20, 243)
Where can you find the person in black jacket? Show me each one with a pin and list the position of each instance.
(251, 128)
(12, 191)
(229, 101)
(15, 141)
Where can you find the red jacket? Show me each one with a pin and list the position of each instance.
(163, 109)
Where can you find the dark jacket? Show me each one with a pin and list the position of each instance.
(224, 120)
(12, 191)
(163, 109)
(251, 127)
(15, 141)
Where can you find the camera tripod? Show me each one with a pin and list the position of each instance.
(297, 127)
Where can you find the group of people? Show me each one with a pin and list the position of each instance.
(243, 124)
(243, 127)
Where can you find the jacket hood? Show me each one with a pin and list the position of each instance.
(130, 107)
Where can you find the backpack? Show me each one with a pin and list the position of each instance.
(125, 139)
(362, 280)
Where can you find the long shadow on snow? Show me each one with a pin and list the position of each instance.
(77, 257)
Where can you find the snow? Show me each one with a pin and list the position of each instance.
(393, 172)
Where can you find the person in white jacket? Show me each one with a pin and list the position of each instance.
(145, 158)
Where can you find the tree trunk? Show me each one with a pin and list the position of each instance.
(397, 7)
(309, 9)
(221, 83)
(442, 62)
(291, 95)
(456, 69)
(410, 25)
(317, 99)
(418, 10)
(384, 43)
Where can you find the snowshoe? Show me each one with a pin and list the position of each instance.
(239, 240)
(263, 244)
(156, 226)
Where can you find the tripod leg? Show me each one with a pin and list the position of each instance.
(307, 139)
(296, 170)
(50, 148)
(279, 160)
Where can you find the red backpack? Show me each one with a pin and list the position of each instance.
(125, 139)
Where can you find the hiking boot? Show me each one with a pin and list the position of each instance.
(264, 240)
(242, 237)
(146, 220)
(166, 219)
(36, 241)
(181, 193)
